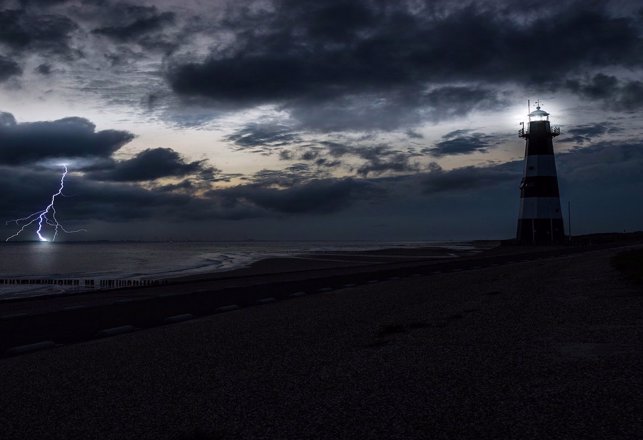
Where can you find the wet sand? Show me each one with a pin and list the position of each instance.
(548, 348)
(338, 259)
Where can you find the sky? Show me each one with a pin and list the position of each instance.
(314, 119)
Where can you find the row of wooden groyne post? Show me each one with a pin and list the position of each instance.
(81, 283)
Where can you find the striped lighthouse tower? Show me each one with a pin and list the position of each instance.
(540, 220)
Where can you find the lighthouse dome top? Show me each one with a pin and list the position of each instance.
(539, 115)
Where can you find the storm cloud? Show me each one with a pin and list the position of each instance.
(149, 164)
(460, 142)
(8, 68)
(263, 137)
(314, 197)
(588, 132)
(616, 94)
(469, 179)
(130, 22)
(20, 30)
(73, 137)
(300, 54)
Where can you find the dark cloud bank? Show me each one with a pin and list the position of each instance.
(358, 64)
(130, 22)
(32, 154)
(8, 68)
(23, 29)
(460, 142)
(62, 139)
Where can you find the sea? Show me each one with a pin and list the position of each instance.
(153, 260)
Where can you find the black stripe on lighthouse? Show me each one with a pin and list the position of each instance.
(540, 230)
(539, 186)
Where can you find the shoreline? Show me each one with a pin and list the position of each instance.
(334, 259)
(263, 264)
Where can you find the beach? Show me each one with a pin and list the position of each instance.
(540, 345)
(43, 268)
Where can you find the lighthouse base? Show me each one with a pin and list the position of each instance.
(540, 230)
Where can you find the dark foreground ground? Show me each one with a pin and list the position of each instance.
(547, 348)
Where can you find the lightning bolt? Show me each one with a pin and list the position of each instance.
(46, 217)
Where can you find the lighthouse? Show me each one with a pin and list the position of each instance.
(540, 220)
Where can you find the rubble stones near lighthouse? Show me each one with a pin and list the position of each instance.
(540, 220)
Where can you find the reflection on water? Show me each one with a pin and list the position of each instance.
(42, 258)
